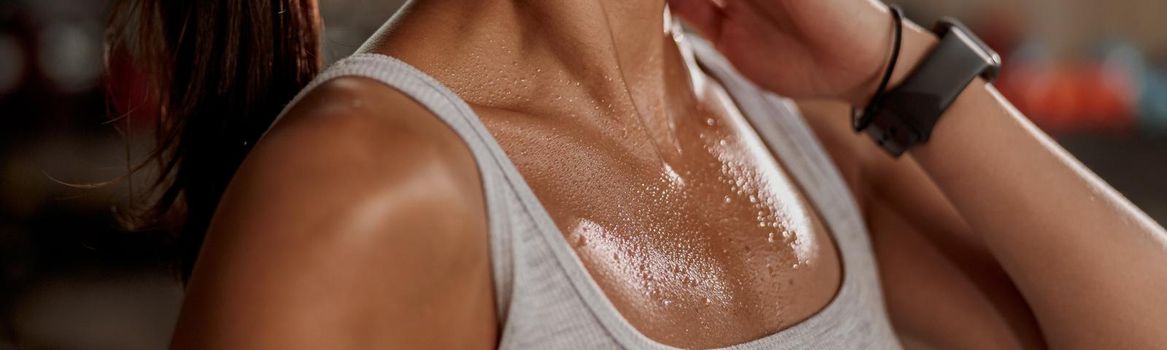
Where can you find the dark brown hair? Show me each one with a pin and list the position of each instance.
(218, 72)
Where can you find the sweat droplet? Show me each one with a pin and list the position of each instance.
(711, 122)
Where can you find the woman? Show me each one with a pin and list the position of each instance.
(580, 174)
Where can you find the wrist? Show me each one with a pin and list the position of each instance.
(905, 116)
(914, 48)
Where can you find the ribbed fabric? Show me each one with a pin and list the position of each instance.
(545, 297)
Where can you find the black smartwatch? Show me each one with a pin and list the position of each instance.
(905, 116)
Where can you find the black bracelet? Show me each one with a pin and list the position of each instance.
(862, 121)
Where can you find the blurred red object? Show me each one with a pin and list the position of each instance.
(1072, 97)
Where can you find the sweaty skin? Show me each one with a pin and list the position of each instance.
(691, 228)
(704, 235)
(675, 206)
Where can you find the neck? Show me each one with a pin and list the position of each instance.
(512, 54)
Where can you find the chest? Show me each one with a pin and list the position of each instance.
(699, 237)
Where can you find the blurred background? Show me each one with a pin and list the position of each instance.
(1091, 73)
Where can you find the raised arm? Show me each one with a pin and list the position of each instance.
(1092, 267)
(357, 223)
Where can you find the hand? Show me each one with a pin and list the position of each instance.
(804, 48)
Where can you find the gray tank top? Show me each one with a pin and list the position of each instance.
(545, 297)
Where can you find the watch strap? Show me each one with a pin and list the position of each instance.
(909, 112)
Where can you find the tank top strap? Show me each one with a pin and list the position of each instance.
(781, 126)
(456, 113)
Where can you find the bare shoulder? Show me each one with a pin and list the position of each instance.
(355, 152)
(359, 120)
(357, 222)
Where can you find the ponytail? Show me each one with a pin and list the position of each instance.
(218, 73)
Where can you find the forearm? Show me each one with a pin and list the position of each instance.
(1092, 266)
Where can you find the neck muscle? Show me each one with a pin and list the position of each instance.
(510, 54)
